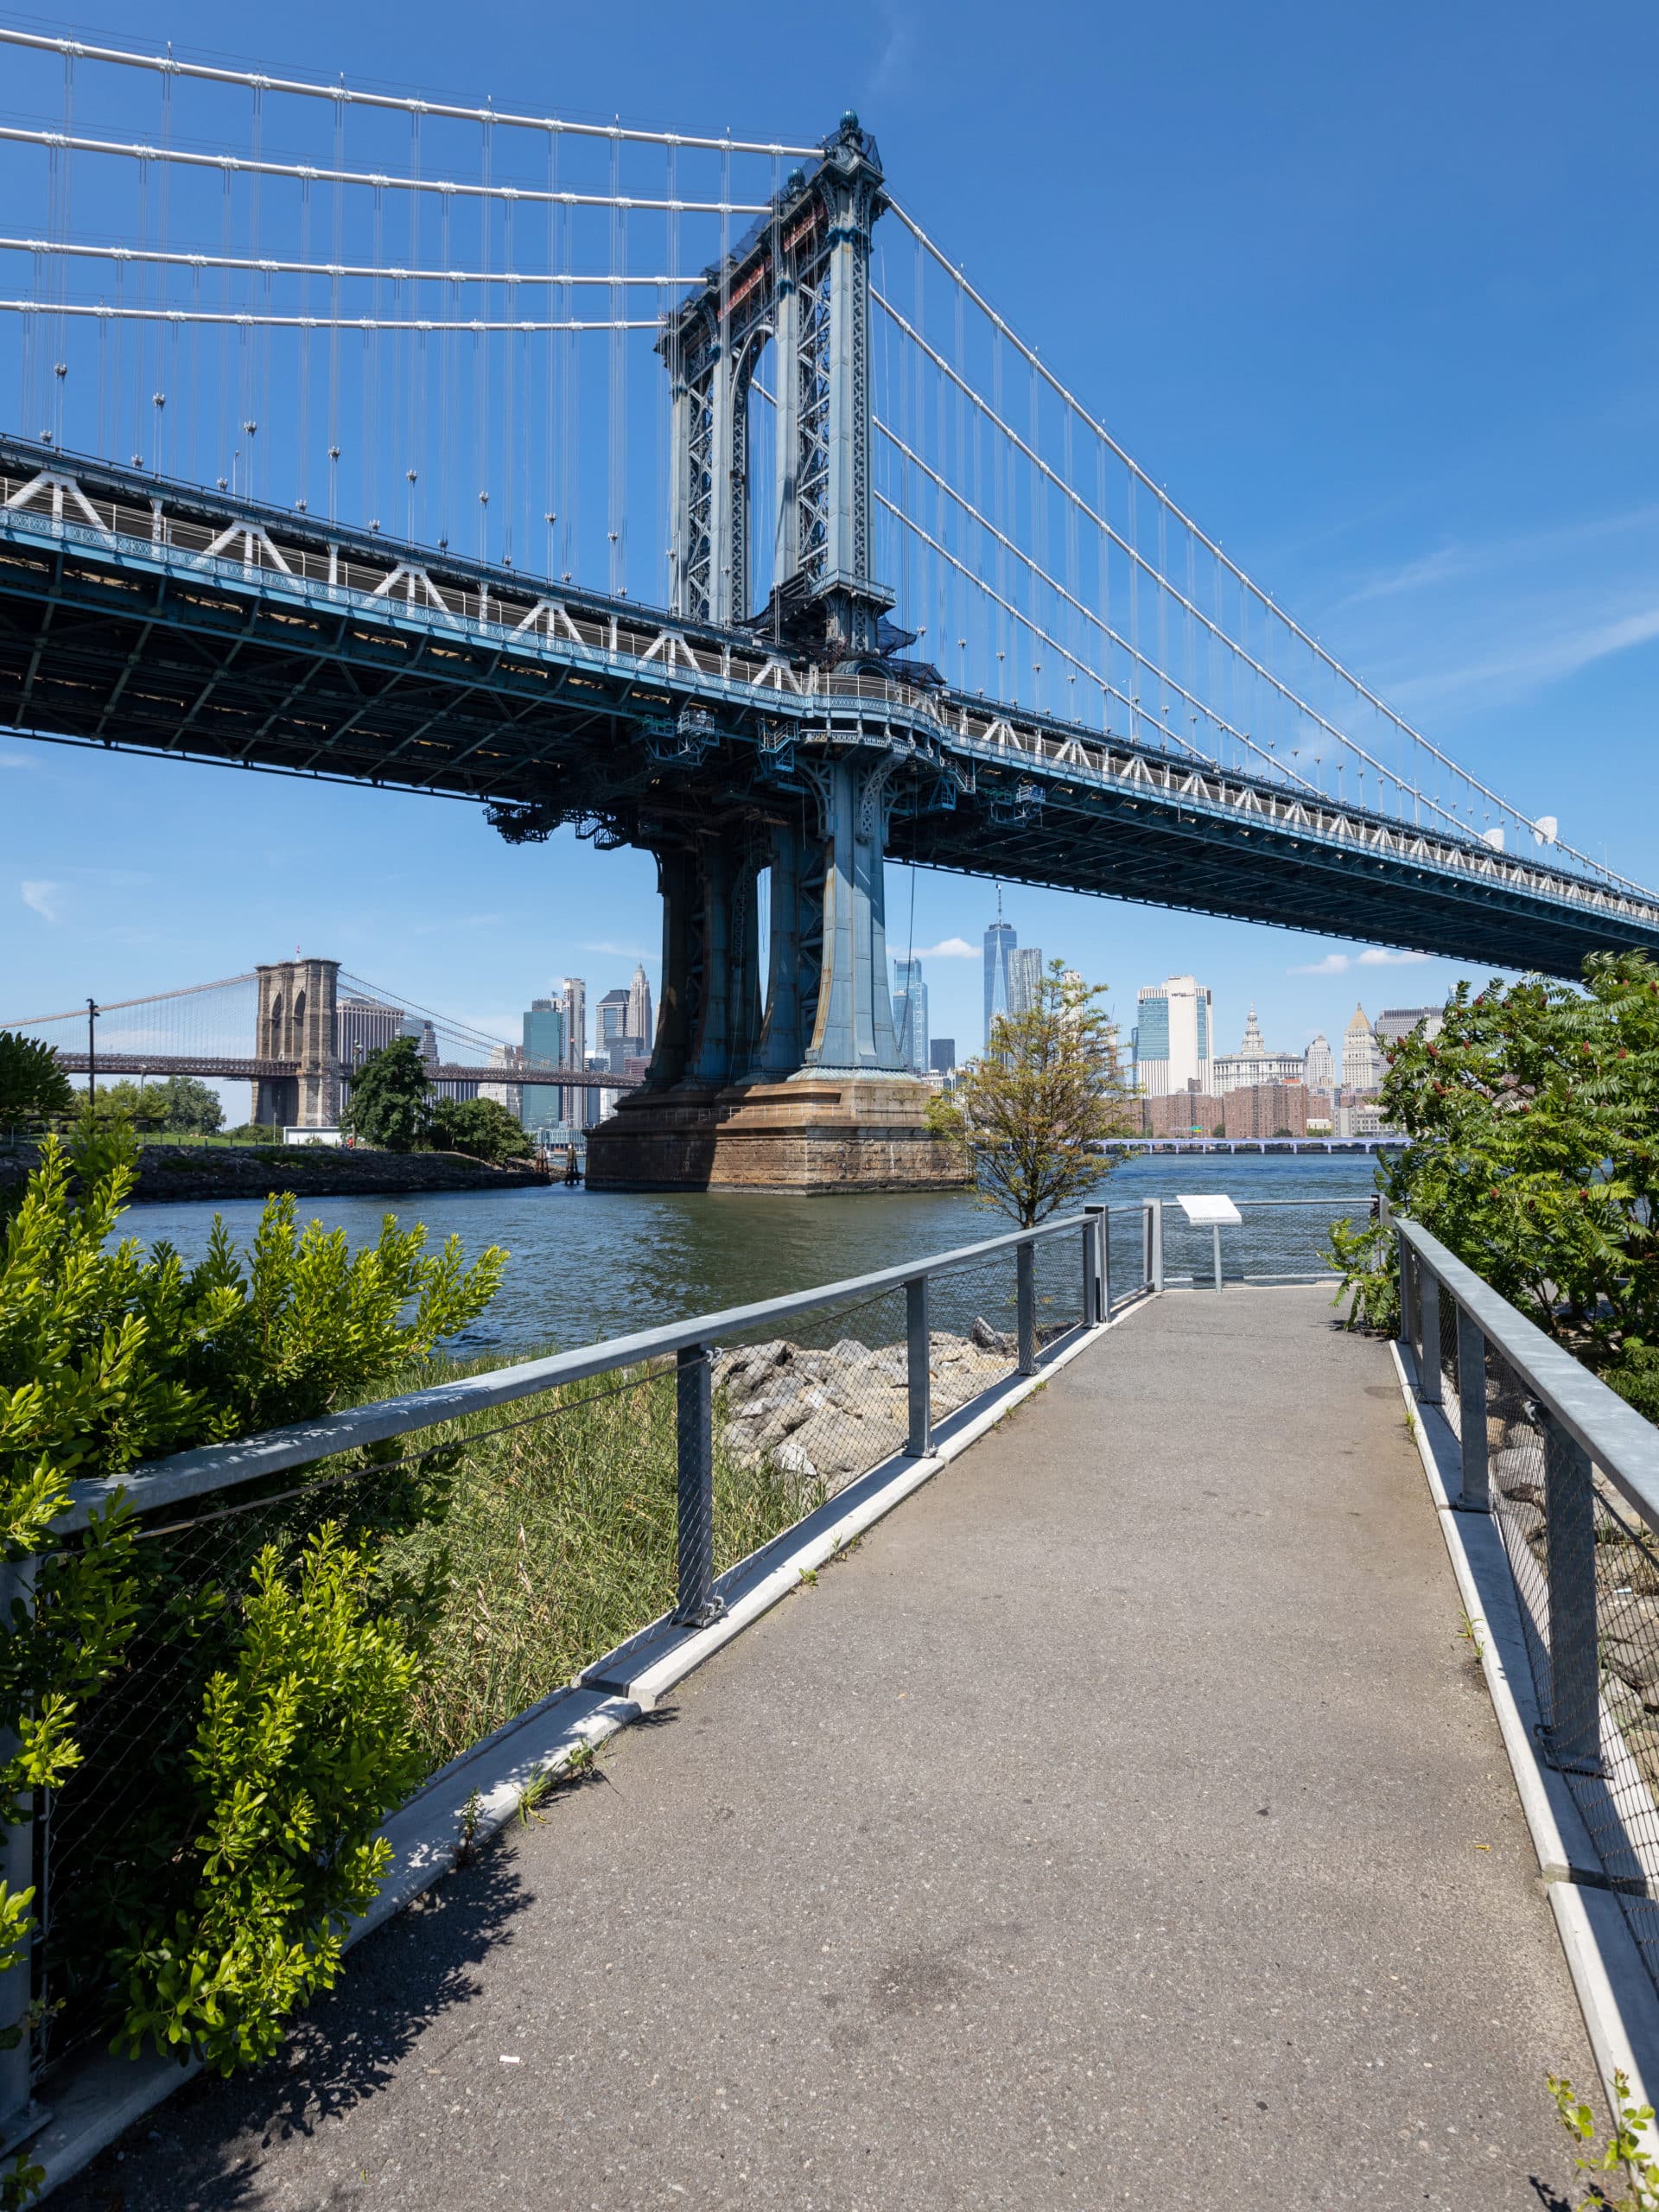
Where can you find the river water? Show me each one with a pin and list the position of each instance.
(585, 1264)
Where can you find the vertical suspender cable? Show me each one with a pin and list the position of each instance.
(549, 352)
(510, 470)
(333, 310)
(305, 347)
(481, 361)
(672, 365)
(616, 408)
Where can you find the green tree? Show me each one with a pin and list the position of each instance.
(109, 1356)
(1029, 1117)
(33, 1087)
(391, 1099)
(179, 1105)
(1534, 1125)
(481, 1128)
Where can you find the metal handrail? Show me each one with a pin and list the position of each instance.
(1616, 1438)
(224, 1466)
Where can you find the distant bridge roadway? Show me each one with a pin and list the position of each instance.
(230, 1069)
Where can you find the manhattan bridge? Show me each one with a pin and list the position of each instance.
(685, 491)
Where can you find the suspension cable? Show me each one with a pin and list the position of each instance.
(242, 164)
(169, 66)
(1152, 666)
(249, 321)
(1303, 637)
(272, 266)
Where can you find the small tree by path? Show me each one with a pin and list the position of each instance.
(391, 1099)
(1029, 1117)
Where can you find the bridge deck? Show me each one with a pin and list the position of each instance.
(1107, 1829)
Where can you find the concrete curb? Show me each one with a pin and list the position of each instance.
(103, 2097)
(1615, 1991)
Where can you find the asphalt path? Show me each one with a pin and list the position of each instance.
(1124, 1821)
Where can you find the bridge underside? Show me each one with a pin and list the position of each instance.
(132, 626)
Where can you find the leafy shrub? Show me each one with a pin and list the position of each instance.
(1533, 1154)
(304, 1744)
(109, 1356)
(1368, 1262)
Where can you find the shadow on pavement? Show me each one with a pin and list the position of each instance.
(408, 1982)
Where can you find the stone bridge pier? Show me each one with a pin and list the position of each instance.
(777, 1067)
(296, 1021)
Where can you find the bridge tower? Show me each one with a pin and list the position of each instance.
(296, 1021)
(799, 285)
(778, 1065)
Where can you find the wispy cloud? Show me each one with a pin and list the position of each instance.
(1491, 556)
(1476, 624)
(16, 761)
(892, 71)
(1540, 655)
(1375, 956)
(617, 951)
(950, 948)
(42, 897)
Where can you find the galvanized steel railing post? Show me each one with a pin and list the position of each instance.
(1406, 1258)
(1153, 1224)
(694, 1410)
(1472, 1413)
(918, 1354)
(1096, 1283)
(1428, 1336)
(1024, 1258)
(1574, 1735)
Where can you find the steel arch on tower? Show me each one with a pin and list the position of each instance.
(800, 283)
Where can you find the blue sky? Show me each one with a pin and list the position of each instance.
(1370, 291)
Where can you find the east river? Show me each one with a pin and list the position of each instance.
(585, 1265)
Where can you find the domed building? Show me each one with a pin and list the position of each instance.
(1252, 1062)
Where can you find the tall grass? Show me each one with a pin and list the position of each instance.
(558, 1542)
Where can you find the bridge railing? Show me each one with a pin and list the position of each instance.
(1569, 1474)
(563, 1505)
(1268, 1241)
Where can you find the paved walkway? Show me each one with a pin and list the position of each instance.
(1124, 1823)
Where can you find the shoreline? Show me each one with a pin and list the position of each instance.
(178, 1174)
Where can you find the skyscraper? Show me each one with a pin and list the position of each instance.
(1319, 1065)
(573, 1001)
(1025, 978)
(910, 1013)
(999, 942)
(612, 1036)
(509, 1095)
(1362, 1060)
(1172, 1041)
(544, 1046)
(641, 1028)
(1395, 1022)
